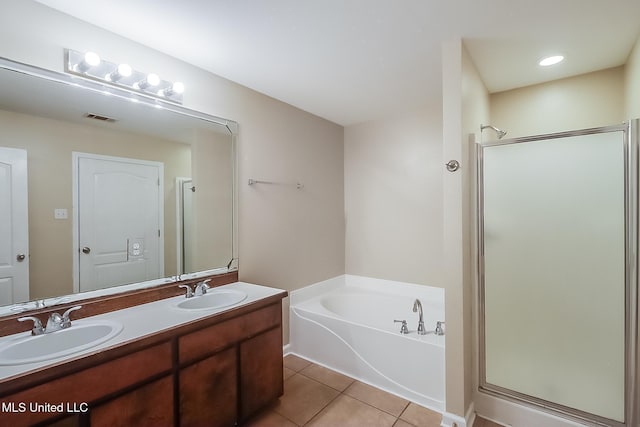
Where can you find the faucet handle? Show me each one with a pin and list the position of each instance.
(189, 293)
(403, 328)
(66, 322)
(439, 330)
(202, 287)
(37, 324)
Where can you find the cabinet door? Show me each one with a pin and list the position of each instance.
(260, 371)
(149, 405)
(209, 391)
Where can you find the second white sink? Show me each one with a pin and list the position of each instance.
(213, 300)
(79, 337)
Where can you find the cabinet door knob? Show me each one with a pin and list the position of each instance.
(86, 250)
(21, 257)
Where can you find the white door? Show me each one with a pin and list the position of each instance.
(119, 217)
(14, 226)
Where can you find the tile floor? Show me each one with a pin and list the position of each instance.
(319, 397)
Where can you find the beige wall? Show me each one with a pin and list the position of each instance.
(452, 232)
(49, 144)
(475, 111)
(393, 193)
(288, 238)
(589, 100)
(632, 83)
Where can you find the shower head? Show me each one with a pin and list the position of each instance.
(501, 133)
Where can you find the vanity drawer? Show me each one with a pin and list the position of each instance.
(91, 384)
(206, 341)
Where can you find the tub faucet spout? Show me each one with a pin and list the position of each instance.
(417, 306)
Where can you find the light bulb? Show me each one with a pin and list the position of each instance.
(153, 79)
(92, 59)
(150, 80)
(89, 60)
(178, 87)
(124, 70)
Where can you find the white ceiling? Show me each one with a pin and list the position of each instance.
(351, 61)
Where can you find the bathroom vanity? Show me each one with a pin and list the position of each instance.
(167, 367)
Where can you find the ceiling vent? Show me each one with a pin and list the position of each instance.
(99, 117)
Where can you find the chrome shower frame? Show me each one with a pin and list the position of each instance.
(631, 140)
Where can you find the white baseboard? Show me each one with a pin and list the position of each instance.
(451, 420)
(286, 349)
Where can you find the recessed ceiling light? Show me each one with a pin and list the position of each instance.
(551, 60)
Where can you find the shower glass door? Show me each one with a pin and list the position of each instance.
(554, 222)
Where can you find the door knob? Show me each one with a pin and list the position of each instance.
(21, 257)
(86, 250)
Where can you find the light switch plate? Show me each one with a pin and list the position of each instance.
(60, 214)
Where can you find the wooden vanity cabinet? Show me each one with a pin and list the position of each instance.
(261, 371)
(217, 371)
(209, 391)
(150, 405)
(224, 365)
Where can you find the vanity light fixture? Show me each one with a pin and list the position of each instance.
(551, 60)
(90, 65)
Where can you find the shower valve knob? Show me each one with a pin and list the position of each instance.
(452, 165)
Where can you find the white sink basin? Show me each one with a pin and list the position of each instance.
(79, 337)
(213, 299)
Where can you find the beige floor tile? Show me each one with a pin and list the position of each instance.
(303, 398)
(295, 363)
(401, 423)
(269, 418)
(382, 400)
(328, 377)
(346, 411)
(421, 417)
(286, 373)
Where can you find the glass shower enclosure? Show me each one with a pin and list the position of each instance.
(557, 257)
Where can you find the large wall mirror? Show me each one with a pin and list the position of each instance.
(102, 188)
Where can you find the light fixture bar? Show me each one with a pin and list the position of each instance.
(90, 65)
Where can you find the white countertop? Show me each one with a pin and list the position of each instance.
(140, 321)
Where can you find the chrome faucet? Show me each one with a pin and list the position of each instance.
(417, 306)
(202, 287)
(56, 322)
(189, 293)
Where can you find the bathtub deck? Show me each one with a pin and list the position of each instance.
(317, 396)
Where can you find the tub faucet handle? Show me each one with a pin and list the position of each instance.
(439, 330)
(403, 328)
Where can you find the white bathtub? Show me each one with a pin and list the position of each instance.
(347, 324)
